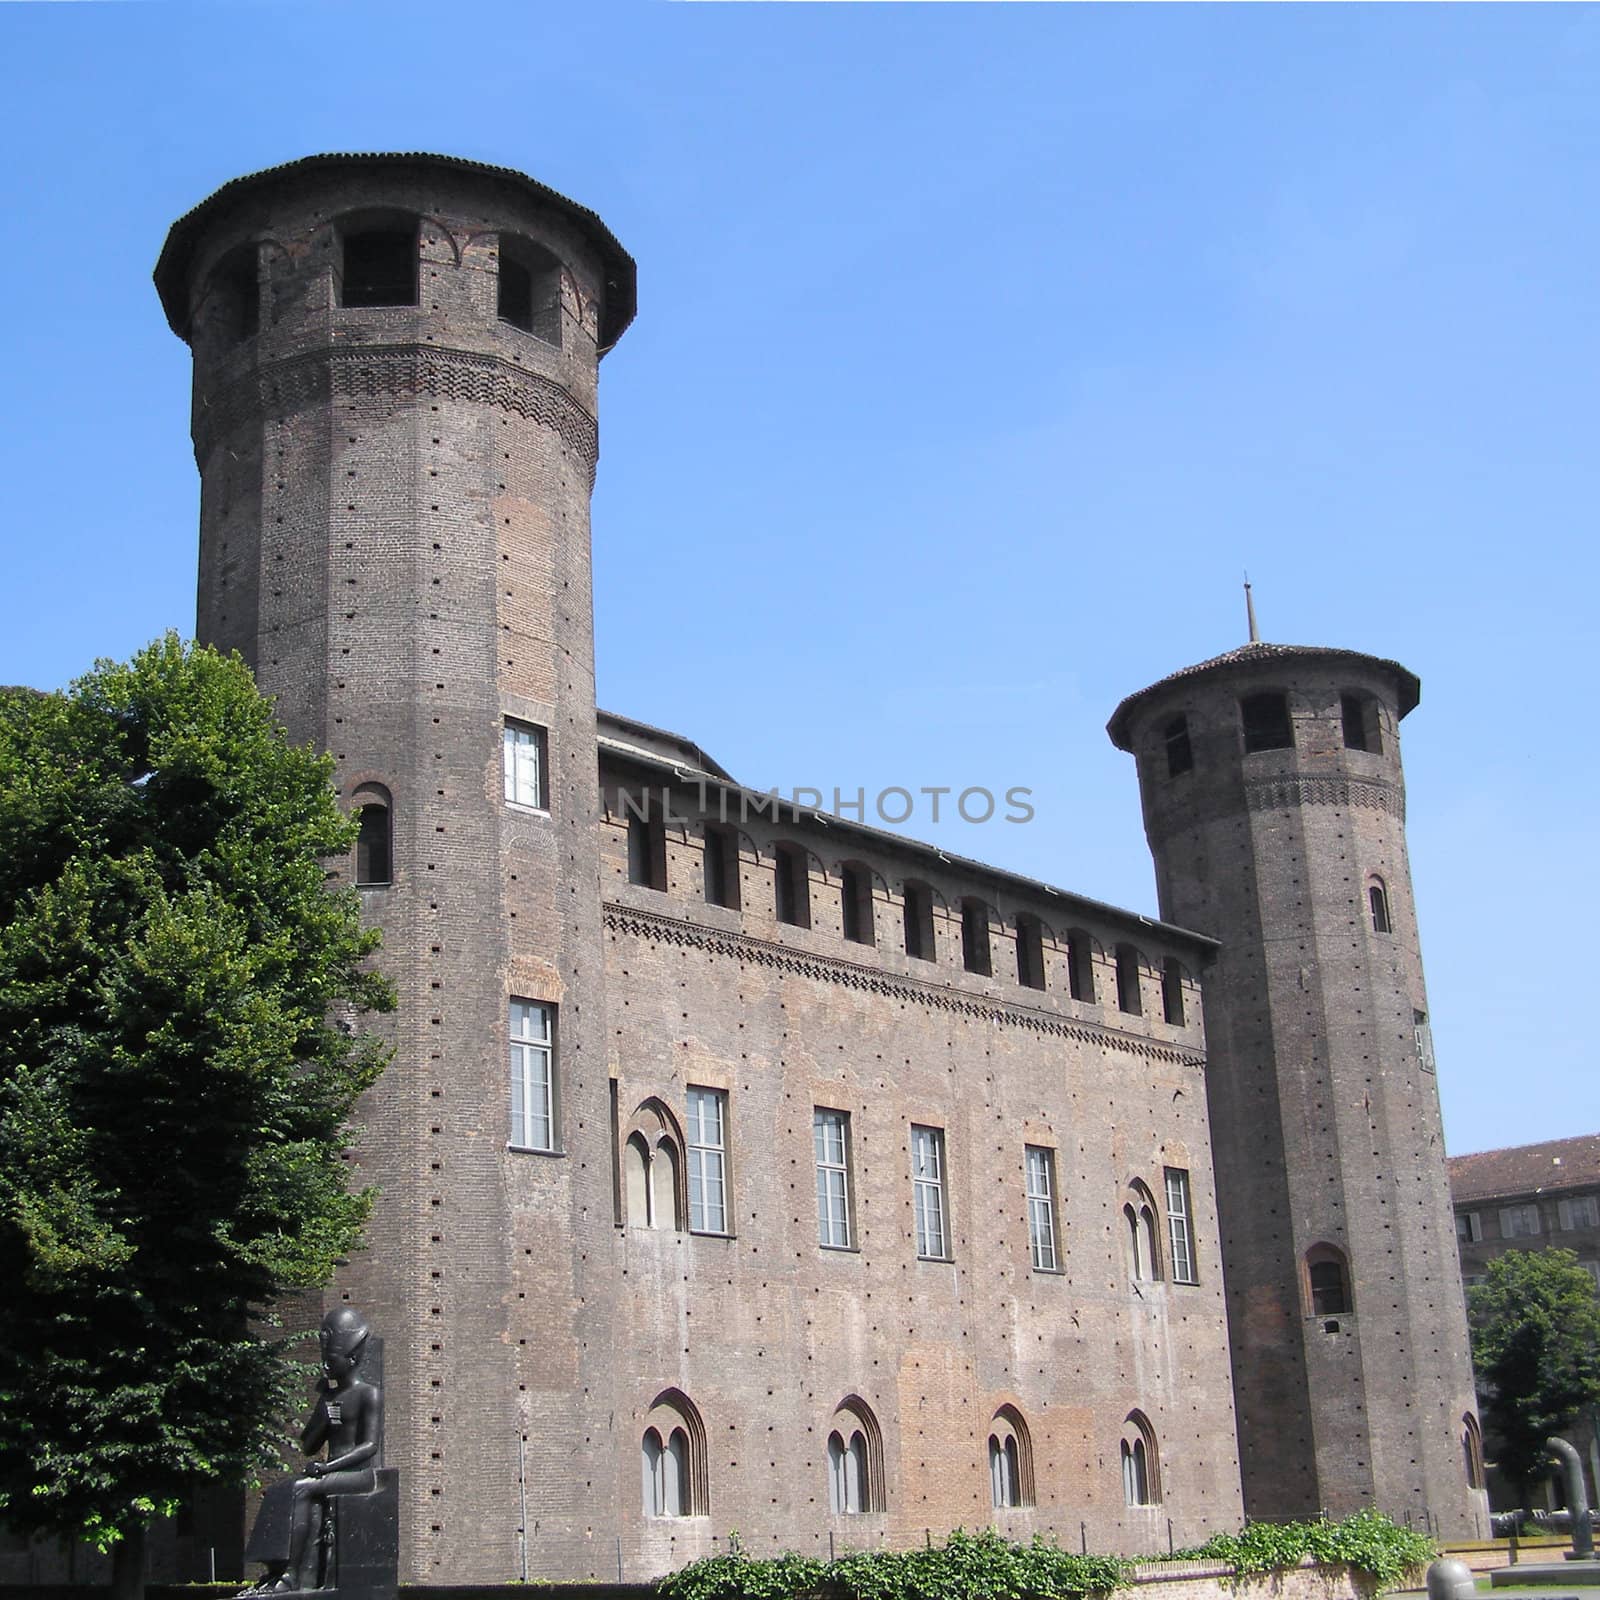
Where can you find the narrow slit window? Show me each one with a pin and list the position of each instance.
(919, 922)
(1180, 754)
(1030, 952)
(792, 886)
(975, 936)
(1080, 966)
(1378, 906)
(1129, 998)
(1172, 991)
(855, 889)
(647, 847)
(722, 866)
(1267, 725)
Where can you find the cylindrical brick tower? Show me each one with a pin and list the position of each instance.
(395, 367)
(1274, 804)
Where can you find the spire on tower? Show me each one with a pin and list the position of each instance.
(1250, 611)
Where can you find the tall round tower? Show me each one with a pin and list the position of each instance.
(1274, 804)
(395, 371)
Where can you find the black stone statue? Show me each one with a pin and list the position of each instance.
(336, 1527)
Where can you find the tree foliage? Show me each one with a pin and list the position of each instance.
(1536, 1353)
(178, 989)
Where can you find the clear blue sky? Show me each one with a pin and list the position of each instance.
(980, 349)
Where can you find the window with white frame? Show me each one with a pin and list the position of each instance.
(1519, 1222)
(830, 1131)
(928, 1198)
(708, 1161)
(533, 1125)
(1180, 1233)
(1582, 1211)
(1041, 1189)
(524, 757)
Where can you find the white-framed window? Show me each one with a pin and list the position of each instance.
(1180, 1234)
(1519, 1222)
(1041, 1190)
(1582, 1211)
(708, 1161)
(524, 759)
(533, 1123)
(1469, 1227)
(927, 1192)
(830, 1132)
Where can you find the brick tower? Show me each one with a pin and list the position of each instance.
(395, 370)
(1274, 804)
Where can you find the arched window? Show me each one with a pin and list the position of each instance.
(975, 936)
(672, 1458)
(1266, 722)
(1328, 1281)
(375, 840)
(1010, 1460)
(1139, 1222)
(1172, 991)
(1030, 951)
(1129, 963)
(919, 921)
(378, 259)
(855, 896)
(1180, 756)
(1472, 1450)
(528, 295)
(855, 1460)
(1080, 965)
(652, 1168)
(1141, 1466)
(1378, 906)
(791, 885)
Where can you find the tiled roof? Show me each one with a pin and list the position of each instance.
(173, 268)
(1407, 684)
(1527, 1169)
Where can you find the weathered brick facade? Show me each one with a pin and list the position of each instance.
(395, 533)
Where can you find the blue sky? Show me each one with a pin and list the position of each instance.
(980, 350)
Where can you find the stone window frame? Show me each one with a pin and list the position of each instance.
(653, 1187)
(534, 1097)
(1140, 1459)
(930, 1197)
(674, 1427)
(855, 1460)
(835, 1185)
(1139, 1216)
(1011, 1476)
(1039, 1163)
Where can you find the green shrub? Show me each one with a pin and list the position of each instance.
(1368, 1541)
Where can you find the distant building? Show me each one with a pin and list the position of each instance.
(1531, 1197)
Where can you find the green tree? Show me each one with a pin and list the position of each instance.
(178, 1058)
(1536, 1353)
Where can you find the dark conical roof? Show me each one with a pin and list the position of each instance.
(1408, 687)
(177, 254)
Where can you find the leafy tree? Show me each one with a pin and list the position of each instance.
(1536, 1353)
(178, 988)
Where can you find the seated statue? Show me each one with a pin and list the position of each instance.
(348, 1419)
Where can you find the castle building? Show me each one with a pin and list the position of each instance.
(742, 1166)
